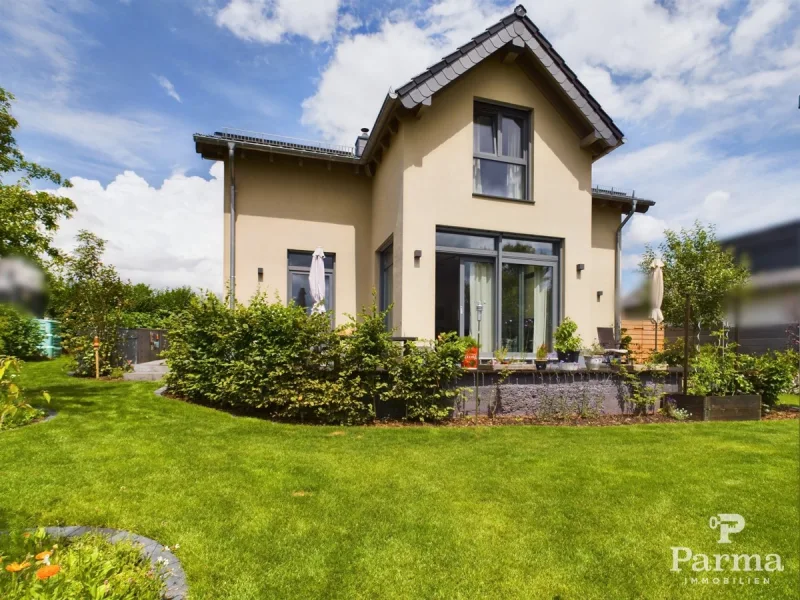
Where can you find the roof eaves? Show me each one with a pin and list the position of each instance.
(506, 29)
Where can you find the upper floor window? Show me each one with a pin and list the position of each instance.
(500, 161)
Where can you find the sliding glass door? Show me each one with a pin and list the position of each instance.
(477, 285)
(527, 298)
(515, 280)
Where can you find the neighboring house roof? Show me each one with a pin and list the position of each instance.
(775, 248)
(517, 37)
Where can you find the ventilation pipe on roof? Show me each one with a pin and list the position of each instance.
(618, 275)
(361, 142)
(232, 242)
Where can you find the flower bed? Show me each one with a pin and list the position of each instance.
(81, 562)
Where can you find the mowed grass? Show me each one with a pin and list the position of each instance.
(790, 399)
(265, 510)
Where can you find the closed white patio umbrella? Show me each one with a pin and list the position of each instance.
(657, 295)
(316, 280)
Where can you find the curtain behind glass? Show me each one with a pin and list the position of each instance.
(541, 306)
(481, 277)
(512, 146)
(477, 184)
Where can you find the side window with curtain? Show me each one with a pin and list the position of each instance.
(501, 161)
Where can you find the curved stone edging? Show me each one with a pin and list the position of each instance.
(51, 414)
(175, 579)
(161, 391)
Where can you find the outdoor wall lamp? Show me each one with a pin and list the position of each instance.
(260, 274)
(581, 267)
(599, 295)
(417, 254)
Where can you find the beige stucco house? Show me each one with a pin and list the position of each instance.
(474, 187)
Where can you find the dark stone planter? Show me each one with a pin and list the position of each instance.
(541, 365)
(719, 408)
(570, 357)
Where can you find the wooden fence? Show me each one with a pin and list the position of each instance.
(644, 338)
(751, 340)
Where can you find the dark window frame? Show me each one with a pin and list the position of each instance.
(497, 112)
(385, 263)
(330, 307)
(500, 256)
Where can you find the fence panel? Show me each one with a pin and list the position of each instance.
(142, 345)
(645, 338)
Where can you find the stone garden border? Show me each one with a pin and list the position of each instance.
(175, 579)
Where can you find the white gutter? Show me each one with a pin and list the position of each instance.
(232, 250)
(618, 275)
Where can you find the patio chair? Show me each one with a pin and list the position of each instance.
(605, 336)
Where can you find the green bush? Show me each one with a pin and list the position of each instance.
(89, 566)
(290, 365)
(718, 372)
(772, 374)
(424, 378)
(20, 335)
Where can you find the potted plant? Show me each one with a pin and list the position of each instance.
(568, 343)
(541, 358)
(595, 356)
(470, 353)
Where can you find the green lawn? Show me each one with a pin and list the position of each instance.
(791, 399)
(265, 510)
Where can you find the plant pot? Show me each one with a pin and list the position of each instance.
(470, 358)
(594, 362)
(569, 357)
(541, 365)
(569, 366)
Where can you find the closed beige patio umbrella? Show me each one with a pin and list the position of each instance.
(657, 295)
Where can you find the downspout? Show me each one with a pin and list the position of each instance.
(618, 275)
(232, 242)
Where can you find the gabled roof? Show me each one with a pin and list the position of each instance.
(515, 36)
(517, 33)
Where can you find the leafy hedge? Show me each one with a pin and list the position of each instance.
(718, 372)
(279, 360)
(20, 334)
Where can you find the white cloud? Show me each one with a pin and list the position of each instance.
(645, 229)
(365, 66)
(715, 204)
(165, 236)
(630, 262)
(138, 140)
(270, 21)
(166, 84)
(348, 22)
(761, 18)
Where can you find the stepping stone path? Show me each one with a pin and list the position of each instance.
(149, 371)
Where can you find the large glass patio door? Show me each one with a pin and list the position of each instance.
(527, 300)
(477, 288)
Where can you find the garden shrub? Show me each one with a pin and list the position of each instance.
(771, 374)
(290, 365)
(34, 567)
(717, 373)
(20, 334)
(424, 378)
(15, 409)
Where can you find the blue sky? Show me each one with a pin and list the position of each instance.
(109, 93)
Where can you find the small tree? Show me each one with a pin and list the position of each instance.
(697, 267)
(93, 300)
(29, 218)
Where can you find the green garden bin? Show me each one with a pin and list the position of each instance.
(51, 345)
